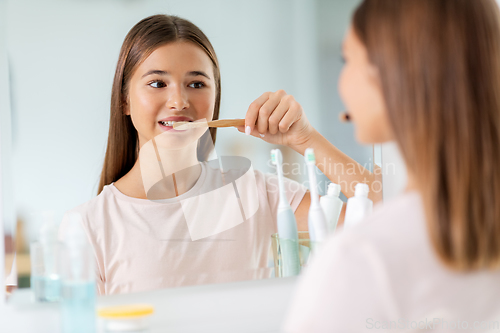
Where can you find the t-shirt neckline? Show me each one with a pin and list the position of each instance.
(116, 192)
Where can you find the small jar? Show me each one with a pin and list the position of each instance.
(125, 318)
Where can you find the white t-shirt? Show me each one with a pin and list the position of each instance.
(383, 275)
(144, 245)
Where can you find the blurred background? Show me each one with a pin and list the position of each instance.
(57, 64)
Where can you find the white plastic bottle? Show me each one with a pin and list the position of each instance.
(78, 293)
(332, 206)
(45, 279)
(358, 207)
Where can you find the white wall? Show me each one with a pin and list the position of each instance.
(63, 54)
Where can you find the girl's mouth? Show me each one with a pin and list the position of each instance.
(167, 125)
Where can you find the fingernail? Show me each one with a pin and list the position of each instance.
(248, 130)
(262, 135)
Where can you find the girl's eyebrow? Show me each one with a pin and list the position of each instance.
(160, 72)
(196, 73)
(155, 71)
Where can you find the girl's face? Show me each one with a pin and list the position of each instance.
(175, 83)
(360, 90)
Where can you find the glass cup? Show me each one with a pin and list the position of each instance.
(305, 247)
(45, 279)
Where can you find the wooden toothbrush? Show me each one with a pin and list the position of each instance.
(213, 123)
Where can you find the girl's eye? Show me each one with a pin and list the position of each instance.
(197, 85)
(157, 84)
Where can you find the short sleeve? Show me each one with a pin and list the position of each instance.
(294, 191)
(98, 277)
(344, 289)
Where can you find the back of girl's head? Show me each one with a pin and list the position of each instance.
(439, 65)
(146, 36)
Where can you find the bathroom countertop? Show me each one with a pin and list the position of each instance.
(248, 306)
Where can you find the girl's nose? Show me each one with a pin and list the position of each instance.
(177, 99)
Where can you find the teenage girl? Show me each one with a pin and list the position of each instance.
(425, 73)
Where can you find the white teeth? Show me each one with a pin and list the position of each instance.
(169, 122)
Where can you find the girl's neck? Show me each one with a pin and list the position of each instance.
(176, 160)
(182, 163)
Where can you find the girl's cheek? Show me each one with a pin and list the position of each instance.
(205, 106)
(348, 89)
(342, 86)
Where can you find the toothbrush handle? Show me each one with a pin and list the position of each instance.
(318, 230)
(289, 243)
(287, 225)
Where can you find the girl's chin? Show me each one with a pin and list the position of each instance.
(178, 139)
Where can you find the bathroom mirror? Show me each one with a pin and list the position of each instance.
(61, 58)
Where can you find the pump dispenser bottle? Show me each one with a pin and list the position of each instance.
(358, 207)
(78, 293)
(332, 206)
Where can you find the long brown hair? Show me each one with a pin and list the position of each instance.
(146, 36)
(439, 64)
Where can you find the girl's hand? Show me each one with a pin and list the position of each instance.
(277, 118)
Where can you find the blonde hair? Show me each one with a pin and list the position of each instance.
(439, 63)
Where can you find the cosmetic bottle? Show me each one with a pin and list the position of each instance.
(78, 292)
(358, 207)
(45, 278)
(126, 318)
(332, 206)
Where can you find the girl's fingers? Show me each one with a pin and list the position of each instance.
(253, 112)
(254, 132)
(267, 109)
(293, 115)
(273, 112)
(277, 115)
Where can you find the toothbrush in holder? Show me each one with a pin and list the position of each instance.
(287, 225)
(316, 220)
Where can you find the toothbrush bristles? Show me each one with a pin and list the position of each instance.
(309, 155)
(273, 157)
